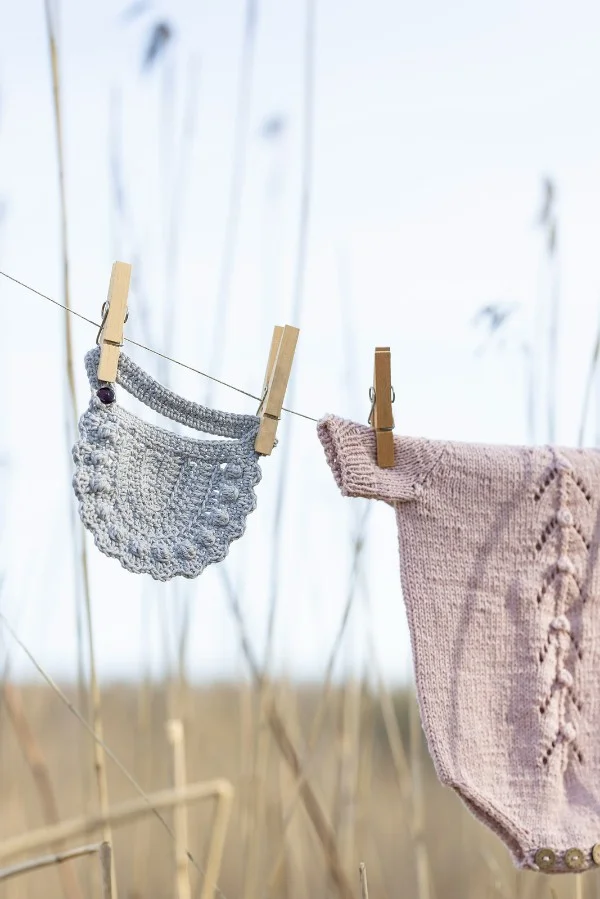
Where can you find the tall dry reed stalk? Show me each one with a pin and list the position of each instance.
(262, 746)
(313, 806)
(592, 381)
(57, 858)
(106, 878)
(308, 759)
(174, 159)
(546, 334)
(176, 738)
(217, 845)
(144, 755)
(418, 806)
(364, 888)
(290, 880)
(364, 774)
(349, 754)
(82, 561)
(264, 701)
(245, 761)
(298, 298)
(287, 748)
(238, 168)
(124, 237)
(408, 774)
(39, 769)
(174, 213)
(549, 223)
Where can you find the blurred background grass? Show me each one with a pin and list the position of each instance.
(366, 806)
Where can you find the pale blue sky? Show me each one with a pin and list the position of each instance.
(434, 126)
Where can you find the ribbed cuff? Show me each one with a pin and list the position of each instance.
(351, 451)
(348, 450)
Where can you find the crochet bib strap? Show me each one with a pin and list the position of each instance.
(162, 400)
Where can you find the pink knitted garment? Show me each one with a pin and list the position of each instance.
(500, 576)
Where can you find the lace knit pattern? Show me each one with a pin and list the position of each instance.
(161, 503)
(499, 562)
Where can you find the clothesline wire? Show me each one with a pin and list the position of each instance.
(148, 349)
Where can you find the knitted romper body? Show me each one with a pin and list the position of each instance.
(500, 576)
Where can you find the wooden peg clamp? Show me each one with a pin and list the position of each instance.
(277, 375)
(382, 419)
(111, 336)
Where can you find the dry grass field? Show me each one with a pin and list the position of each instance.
(369, 771)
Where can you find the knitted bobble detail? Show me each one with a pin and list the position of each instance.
(561, 623)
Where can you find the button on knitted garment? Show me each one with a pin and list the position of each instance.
(501, 582)
(161, 503)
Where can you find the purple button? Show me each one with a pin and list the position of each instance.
(106, 394)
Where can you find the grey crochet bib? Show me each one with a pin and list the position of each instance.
(161, 503)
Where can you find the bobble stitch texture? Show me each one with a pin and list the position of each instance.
(561, 623)
(564, 518)
(563, 464)
(565, 678)
(569, 732)
(160, 503)
(565, 565)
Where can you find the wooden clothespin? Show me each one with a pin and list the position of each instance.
(114, 316)
(381, 418)
(277, 375)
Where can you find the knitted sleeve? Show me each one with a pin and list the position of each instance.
(350, 449)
